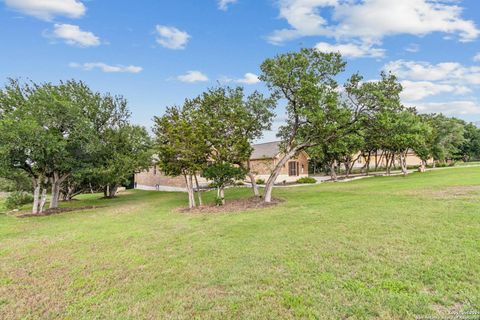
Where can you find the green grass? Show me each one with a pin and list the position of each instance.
(383, 247)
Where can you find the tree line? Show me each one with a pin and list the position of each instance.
(71, 139)
(68, 139)
(211, 135)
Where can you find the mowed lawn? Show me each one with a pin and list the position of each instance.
(385, 248)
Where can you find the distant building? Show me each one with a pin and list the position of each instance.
(379, 160)
(264, 158)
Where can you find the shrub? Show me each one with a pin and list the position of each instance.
(306, 180)
(260, 181)
(17, 199)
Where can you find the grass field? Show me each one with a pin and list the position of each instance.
(384, 247)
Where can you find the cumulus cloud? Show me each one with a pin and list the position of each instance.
(372, 20)
(452, 108)
(351, 50)
(417, 90)
(223, 4)
(192, 76)
(422, 80)
(171, 37)
(477, 58)
(48, 9)
(447, 72)
(73, 35)
(248, 78)
(106, 67)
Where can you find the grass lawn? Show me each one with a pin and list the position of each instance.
(383, 247)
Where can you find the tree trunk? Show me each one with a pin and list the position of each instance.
(254, 185)
(191, 196)
(388, 162)
(222, 195)
(367, 172)
(347, 167)
(403, 163)
(423, 166)
(112, 191)
(43, 199)
(36, 194)
(252, 181)
(333, 172)
(199, 193)
(276, 172)
(55, 191)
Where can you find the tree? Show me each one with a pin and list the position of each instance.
(448, 136)
(181, 144)
(126, 150)
(53, 132)
(45, 133)
(470, 148)
(231, 123)
(408, 132)
(222, 175)
(423, 147)
(315, 114)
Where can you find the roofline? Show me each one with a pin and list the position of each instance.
(258, 144)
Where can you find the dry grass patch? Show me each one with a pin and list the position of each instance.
(448, 193)
(49, 212)
(231, 206)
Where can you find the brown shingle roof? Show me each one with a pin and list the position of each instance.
(265, 150)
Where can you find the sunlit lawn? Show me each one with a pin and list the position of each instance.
(384, 247)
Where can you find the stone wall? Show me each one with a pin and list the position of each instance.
(263, 167)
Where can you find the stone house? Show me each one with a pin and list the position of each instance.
(266, 155)
(264, 158)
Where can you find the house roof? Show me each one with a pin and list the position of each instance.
(265, 150)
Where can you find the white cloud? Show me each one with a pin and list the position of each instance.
(351, 50)
(371, 21)
(73, 35)
(48, 9)
(193, 76)
(171, 37)
(248, 78)
(106, 68)
(446, 72)
(417, 90)
(422, 80)
(223, 4)
(477, 58)
(452, 108)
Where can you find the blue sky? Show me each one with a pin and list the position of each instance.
(157, 53)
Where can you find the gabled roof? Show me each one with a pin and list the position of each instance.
(266, 150)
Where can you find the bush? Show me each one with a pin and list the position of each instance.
(16, 181)
(260, 181)
(17, 199)
(307, 180)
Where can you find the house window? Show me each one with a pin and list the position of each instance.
(293, 168)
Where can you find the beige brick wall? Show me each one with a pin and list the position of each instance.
(265, 166)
